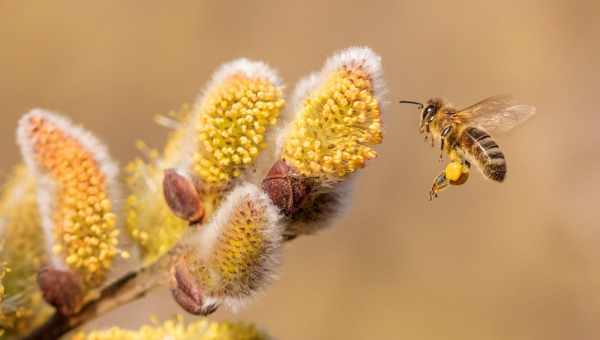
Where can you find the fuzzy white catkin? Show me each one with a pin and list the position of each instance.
(212, 239)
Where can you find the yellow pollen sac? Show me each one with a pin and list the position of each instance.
(454, 170)
(232, 122)
(337, 126)
(81, 208)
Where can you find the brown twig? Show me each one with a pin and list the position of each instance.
(128, 288)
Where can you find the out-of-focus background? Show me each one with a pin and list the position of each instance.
(519, 260)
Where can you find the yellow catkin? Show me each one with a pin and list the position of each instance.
(3, 270)
(228, 129)
(20, 233)
(202, 329)
(240, 259)
(215, 141)
(233, 121)
(337, 126)
(148, 219)
(82, 216)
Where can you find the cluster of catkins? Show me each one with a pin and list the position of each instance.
(241, 173)
(176, 329)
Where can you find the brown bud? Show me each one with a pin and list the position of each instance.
(61, 289)
(187, 292)
(287, 189)
(182, 196)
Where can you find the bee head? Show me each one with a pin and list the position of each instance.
(428, 112)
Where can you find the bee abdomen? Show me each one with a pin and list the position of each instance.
(485, 152)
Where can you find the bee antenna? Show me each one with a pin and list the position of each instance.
(420, 105)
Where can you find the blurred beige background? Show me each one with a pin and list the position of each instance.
(485, 261)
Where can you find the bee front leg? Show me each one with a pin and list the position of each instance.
(439, 184)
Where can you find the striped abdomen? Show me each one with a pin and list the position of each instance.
(484, 151)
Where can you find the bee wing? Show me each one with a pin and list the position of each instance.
(496, 114)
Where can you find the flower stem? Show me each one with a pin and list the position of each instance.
(128, 288)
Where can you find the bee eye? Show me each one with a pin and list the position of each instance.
(428, 112)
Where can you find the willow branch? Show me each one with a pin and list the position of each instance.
(130, 287)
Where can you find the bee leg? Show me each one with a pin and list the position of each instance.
(439, 184)
(444, 135)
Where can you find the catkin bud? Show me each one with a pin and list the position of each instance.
(187, 292)
(61, 289)
(182, 197)
(287, 189)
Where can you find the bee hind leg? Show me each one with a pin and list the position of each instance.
(439, 184)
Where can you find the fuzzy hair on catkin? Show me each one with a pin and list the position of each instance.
(244, 66)
(367, 59)
(322, 209)
(108, 166)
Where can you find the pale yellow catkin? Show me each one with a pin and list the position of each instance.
(202, 329)
(337, 126)
(84, 223)
(23, 307)
(148, 219)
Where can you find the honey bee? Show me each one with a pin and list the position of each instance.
(464, 135)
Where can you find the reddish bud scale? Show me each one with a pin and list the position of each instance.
(286, 188)
(61, 289)
(182, 197)
(187, 292)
